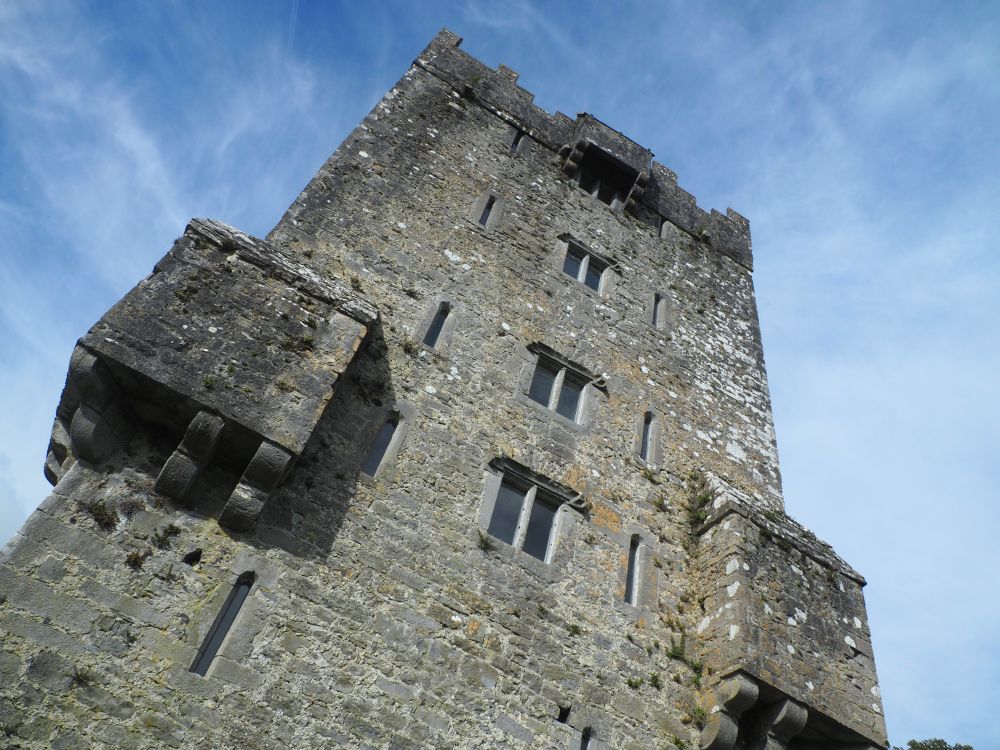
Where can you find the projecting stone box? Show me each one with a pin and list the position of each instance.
(783, 612)
(230, 348)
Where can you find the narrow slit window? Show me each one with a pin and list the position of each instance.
(564, 714)
(646, 438)
(585, 738)
(487, 210)
(437, 324)
(657, 301)
(223, 623)
(380, 445)
(515, 145)
(631, 575)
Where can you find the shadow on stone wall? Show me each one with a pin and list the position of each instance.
(304, 515)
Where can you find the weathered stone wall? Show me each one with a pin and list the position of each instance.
(381, 615)
(780, 605)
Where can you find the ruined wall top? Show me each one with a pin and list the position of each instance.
(498, 91)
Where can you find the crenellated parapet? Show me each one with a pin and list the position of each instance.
(653, 195)
(231, 346)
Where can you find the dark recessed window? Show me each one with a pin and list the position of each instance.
(524, 518)
(604, 178)
(379, 447)
(223, 623)
(632, 574)
(558, 388)
(437, 324)
(584, 267)
(585, 738)
(645, 438)
(487, 210)
(520, 143)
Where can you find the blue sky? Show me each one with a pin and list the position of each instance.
(861, 139)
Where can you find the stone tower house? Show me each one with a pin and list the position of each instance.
(474, 450)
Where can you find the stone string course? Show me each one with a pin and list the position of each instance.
(382, 616)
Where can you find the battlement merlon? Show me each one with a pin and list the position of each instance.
(498, 90)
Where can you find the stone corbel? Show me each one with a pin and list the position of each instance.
(574, 155)
(196, 450)
(779, 724)
(101, 423)
(733, 697)
(638, 190)
(266, 470)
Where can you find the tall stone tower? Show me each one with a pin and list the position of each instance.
(474, 450)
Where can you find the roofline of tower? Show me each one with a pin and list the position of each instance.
(498, 90)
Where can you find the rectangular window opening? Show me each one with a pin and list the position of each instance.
(585, 738)
(223, 623)
(507, 512)
(604, 178)
(487, 210)
(515, 145)
(542, 383)
(647, 430)
(583, 266)
(380, 445)
(564, 714)
(558, 388)
(437, 324)
(569, 398)
(631, 575)
(525, 516)
(573, 263)
(540, 523)
(657, 301)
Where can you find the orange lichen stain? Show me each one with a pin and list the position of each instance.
(603, 516)
(609, 563)
(472, 628)
(576, 478)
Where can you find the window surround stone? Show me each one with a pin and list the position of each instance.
(594, 386)
(406, 414)
(563, 498)
(496, 213)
